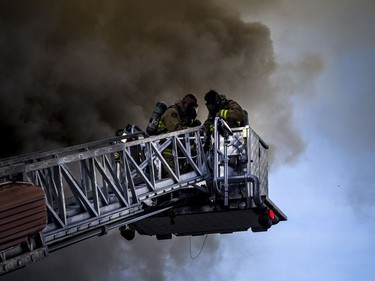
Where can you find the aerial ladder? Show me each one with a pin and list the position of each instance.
(50, 200)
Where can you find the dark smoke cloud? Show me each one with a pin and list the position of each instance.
(75, 71)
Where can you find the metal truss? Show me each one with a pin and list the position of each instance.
(114, 183)
(93, 187)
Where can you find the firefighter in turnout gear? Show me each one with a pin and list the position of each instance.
(219, 106)
(181, 115)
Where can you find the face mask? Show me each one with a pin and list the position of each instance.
(211, 108)
(191, 112)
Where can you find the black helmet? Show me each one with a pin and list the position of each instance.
(191, 100)
(190, 105)
(212, 97)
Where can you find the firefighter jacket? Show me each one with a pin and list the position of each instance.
(174, 119)
(230, 111)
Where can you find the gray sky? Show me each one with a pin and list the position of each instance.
(302, 68)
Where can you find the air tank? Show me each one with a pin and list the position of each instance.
(152, 126)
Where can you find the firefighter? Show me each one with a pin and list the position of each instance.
(219, 106)
(181, 115)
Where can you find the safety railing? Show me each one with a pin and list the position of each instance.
(239, 156)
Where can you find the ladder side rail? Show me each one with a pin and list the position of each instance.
(89, 191)
(76, 183)
(9, 167)
(88, 202)
(82, 156)
(175, 144)
(44, 155)
(66, 150)
(157, 145)
(139, 195)
(88, 217)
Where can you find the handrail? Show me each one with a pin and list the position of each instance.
(222, 130)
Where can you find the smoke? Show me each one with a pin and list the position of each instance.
(114, 258)
(76, 71)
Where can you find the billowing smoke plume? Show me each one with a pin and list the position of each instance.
(76, 70)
